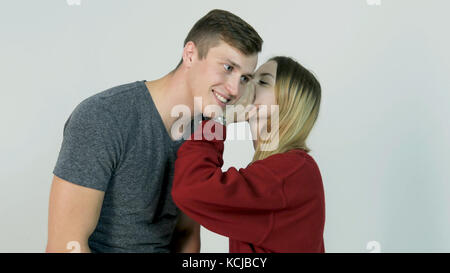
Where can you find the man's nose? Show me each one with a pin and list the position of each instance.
(232, 86)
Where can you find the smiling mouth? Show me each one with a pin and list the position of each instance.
(220, 98)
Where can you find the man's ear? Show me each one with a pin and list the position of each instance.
(189, 53)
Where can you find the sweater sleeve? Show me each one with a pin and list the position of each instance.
(239, 204)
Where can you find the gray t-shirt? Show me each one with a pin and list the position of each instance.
(116, 142)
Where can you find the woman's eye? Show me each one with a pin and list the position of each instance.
(228, 67)
(262, 82)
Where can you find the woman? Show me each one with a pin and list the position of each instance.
(276, 204)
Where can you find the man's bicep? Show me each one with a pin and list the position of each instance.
(185, 223)
(73, 214)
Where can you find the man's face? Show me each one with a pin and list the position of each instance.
(220, 77)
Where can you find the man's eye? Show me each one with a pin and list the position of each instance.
(244, 79)
(228, 67)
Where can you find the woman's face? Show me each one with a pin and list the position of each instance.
(264, 80)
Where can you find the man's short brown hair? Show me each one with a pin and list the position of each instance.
(220, 25)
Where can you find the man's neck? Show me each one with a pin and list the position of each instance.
(169, 91)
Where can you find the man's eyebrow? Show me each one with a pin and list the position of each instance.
(233, 63)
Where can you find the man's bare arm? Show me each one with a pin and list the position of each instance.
(186, 237)
(73, 215)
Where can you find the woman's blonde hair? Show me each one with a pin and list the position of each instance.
(298, 94)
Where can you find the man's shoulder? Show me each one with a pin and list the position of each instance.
(118, 100)
(121, 94)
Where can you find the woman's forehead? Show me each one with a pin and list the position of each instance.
(269, 67)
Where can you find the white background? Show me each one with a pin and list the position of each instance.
(382, 140)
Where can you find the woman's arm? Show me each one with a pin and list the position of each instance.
(236, 203)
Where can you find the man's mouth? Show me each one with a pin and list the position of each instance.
(220, 97)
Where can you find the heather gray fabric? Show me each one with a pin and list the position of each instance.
(116, 142)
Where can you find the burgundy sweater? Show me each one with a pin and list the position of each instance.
(274, 205)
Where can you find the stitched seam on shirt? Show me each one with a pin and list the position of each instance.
(282, 182)
(271, 224)
(272, 214)
(283, 195)
(296, 169)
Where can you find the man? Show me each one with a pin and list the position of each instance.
(112, 181)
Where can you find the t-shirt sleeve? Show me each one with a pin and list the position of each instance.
(90, 148)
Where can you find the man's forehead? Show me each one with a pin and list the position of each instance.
(229, 54)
